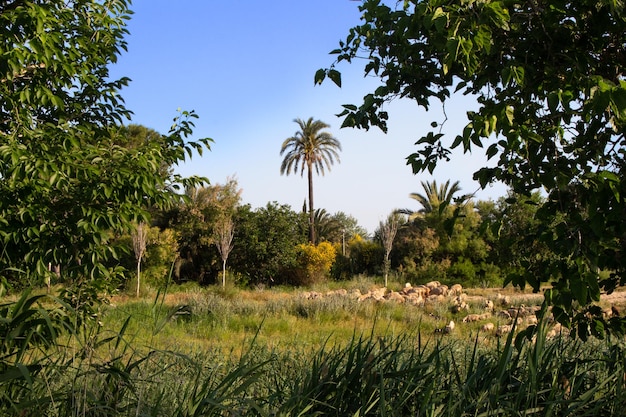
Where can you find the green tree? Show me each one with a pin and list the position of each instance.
(327, 228)
(271, 235)
(344, 227)
(437, 205)
(365, 255)
(435, 198)
(551, 96)
(310, 147)
(67, 187)
(201, 222)
(136, 136)
(518, 248)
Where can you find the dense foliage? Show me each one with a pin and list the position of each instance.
(551, 93)
(269, 237)
(69, 181)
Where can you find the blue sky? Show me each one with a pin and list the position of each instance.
(247, 67)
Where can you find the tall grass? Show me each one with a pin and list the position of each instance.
(142, 361)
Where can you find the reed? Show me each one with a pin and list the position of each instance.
(204, 353)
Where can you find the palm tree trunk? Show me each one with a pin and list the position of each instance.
(311, 213)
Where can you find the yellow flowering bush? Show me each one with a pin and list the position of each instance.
(314, 262)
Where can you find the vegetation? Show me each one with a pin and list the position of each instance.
(202, 352)
(71, 182)
(84, 201)
(551, 98)
(310, 147)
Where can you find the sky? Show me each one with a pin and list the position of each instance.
(246, 67)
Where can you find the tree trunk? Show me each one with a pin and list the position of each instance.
(311, 212)
(224, 273)
(138, 275)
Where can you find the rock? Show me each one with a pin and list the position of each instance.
(456, 289)
(487, 327)
(395, 296)
(504, 329)
(503, 300)
(504, 315)
(414, 299)
(555, 331)
(433, 284)
(440, 290)
(470, 318)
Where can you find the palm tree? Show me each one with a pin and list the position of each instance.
(434, 200)
(327, 228)
(310, 147)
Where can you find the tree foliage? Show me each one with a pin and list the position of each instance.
(67, 185)
(548, 78)
(312, 148)
(271, 235)
(198, 220)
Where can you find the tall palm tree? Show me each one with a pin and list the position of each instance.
(310, 147)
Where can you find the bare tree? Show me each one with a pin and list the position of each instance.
(224, 232)
(140, 237)
(388, 230)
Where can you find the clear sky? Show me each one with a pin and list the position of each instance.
(247, 67)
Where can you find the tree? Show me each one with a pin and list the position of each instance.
(388, 230)
(436, 204)
(137, 136)
(225, 231)
(327, 228)
(271, 235)
(548, 78)
(67, 187)
(139, 238)
(313, 262)
(435, 199)
(226, 199)
(199, 220)
(440, 209)
(309, 148)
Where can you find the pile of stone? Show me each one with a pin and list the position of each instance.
(499, 316)
(418, 295)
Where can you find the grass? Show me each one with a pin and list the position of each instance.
(225, 352)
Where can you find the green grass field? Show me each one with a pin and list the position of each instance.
(225, 352)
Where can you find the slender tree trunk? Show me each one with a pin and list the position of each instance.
(138, 276)
(224, 273)
(139, 237)
(311, 212)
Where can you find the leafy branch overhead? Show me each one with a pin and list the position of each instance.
(548, 79)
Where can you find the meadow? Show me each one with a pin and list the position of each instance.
(195, 351)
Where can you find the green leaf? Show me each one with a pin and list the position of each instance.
(320, 75)
(335, 76)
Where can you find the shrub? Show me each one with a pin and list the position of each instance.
(314, 262)
(366, 256)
